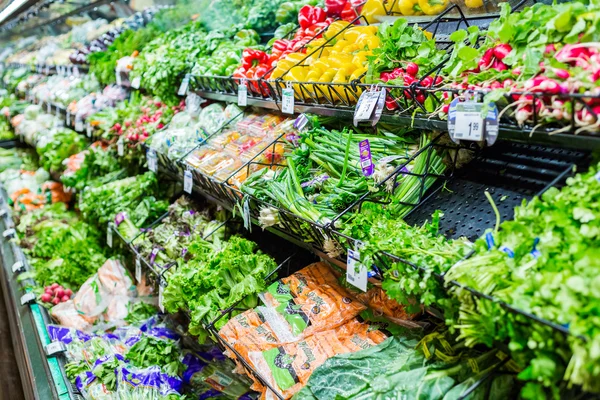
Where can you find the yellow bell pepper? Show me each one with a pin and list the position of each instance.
(296, 74)
(371, 9)
(326, 77)
(321, 64)
(474, 3)
(372, 42)
(360, 59)
(433, 7)
(340, 60)
(357, 73)
(427, 34)
(314, 74)
(351, 48)
(339, 45)
(335, 28)
(408, 7)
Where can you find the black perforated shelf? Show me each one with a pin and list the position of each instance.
(509, 171)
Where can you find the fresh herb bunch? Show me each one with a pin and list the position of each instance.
(136, 196)
(544, 262)
(59, 146)
(150, 351)
(213, 280)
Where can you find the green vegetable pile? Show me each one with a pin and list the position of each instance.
(217, 276)
(136, 196)
(60, 247)
(149, 351)
(546, 262)
(170, 239)
(99, 167)
(405, 368)
(54, 149)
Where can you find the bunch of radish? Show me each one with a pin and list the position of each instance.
(154, 116)
(545, 96)
(55, 294)
(406, 77)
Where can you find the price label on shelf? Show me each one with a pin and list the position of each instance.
(287, 100)
(356, 272)
(76, 72)
(138, 269)
(467, 120)
(68, 118)
(88, 130)
(120, 149)
(369, 106)
(188, 181)
(161, 285)
(152, 161)
(8, 233)
(49, 108)
(109, 235)
(18, 267)
(55, 348)
(183, 88)
(243, 93)
(47, 69)
(118, 77)
(135, 83)
(27, 298)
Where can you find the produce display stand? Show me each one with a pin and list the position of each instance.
(41, 368)
(525, 162)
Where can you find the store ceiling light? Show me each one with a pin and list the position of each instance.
(14, 5)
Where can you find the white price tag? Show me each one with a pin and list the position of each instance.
(135, 83)
(55, 348)
(27, 298)
(68, 118)
(47, 69)
(18, 267)
(8, 232)
(183, 88)
(49, 108)
(118, 77)
(188, 181)
(469, 123)
(120, 149)
(76, 72)
(109, 235)
(138, 269)
(88, 130)
(78, 124)
(243, 93)
(160, 295)
(152, 161)
(356, 273)
(287, 100)
(366, 106)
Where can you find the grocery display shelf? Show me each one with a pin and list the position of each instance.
(43, 375)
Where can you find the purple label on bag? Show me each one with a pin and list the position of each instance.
(84, 380)
(184, 252)
(489, 239)
(153, 254)
(66, 335)
(366, 161)
(150, 322)
(318, 179)
(170, 385)
(120, 217)
(163, 333)
(194, 365)
(132, 340)
(213, 354)
(210, 394)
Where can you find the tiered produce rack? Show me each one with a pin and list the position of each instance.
(525, 162)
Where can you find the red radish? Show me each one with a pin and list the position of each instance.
(390, 104)
(507, 83)
(550, 48)
(499, 65)
(562, 73)
(516, 71)
(502, 50)
(486, 59)
(65, 298)
(54, 285)
(397, 72)
(49, 290)
(427, 81)
(408, 79)
(68, 292)
(407, 95)
(55, 300)
(46, 297)
(412, 69)
(496, 85)
(446, 108)
(438, 80)
(421, 98)
(59, 292)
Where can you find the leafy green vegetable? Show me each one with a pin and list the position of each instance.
(149, 351)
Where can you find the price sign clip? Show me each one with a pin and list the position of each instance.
(55, 348)
(473, 121)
